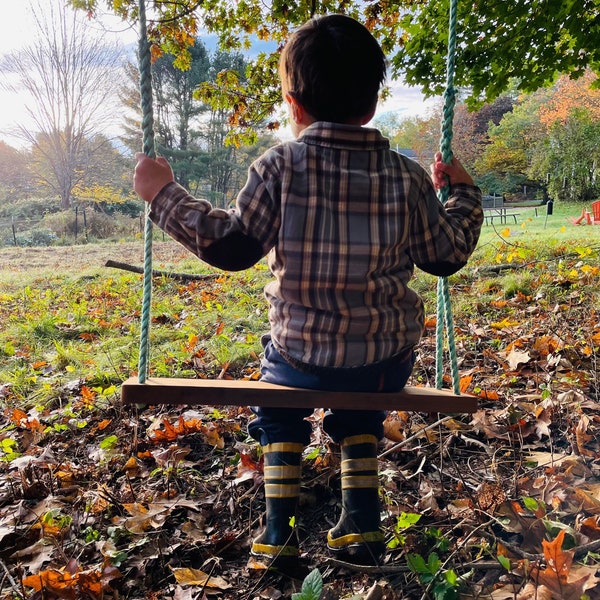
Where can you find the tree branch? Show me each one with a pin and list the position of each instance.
(180, 276)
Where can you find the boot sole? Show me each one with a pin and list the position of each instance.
(275, 553)
(358, 548)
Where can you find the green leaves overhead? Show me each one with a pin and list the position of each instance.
(527, 41)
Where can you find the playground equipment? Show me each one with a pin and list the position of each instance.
(143, 390)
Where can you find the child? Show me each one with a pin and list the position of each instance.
(343, 220)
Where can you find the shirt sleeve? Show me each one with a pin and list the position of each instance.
(233, 239)
(443, 237)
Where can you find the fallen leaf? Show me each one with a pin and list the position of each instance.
(582, 436)
(547, 459)
(132, 468)
(187, 576)
(559, 560)
(516, 358)
(393, 429)
(464, 383)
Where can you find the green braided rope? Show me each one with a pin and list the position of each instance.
(148, 148)
(444, 309)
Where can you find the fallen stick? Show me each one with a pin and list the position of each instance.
(181, 276)
(485, 565)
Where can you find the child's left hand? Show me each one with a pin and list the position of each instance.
(151, 176)
(448, 173)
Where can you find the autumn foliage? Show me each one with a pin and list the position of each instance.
(572, 94)
(101, 501)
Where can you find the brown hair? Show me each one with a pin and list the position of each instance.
(334, 68)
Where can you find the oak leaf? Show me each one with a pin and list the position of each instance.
(516, 358)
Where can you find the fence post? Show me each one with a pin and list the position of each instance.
(85, 225)
(12, 219)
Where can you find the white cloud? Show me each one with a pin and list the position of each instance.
(407, 100)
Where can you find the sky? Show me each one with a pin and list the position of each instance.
(17, 28)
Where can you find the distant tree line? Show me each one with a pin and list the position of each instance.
(78, 87)
(547, 140)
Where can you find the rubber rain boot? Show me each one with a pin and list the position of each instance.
(357, 537)
(282, 471)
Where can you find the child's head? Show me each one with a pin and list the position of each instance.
(334, 67)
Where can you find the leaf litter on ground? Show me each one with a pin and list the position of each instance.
(102, 501)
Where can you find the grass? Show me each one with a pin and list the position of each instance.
(81, 320)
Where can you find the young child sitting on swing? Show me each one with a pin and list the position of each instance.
(343, 220)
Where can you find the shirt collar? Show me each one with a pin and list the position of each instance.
(337, 135)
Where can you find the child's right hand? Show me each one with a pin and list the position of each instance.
(150, 176)
(452, 173)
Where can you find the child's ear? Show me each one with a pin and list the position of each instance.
(368, 117)
(298, 112)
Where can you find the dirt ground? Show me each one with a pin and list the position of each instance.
(78, 258)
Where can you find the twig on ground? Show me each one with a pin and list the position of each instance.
(182, 276)
(483, 565)
(13, 583)
(579, 551)
(413, 437)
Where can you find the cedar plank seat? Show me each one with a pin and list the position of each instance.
(224, 392)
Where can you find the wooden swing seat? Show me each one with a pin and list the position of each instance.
(223, 392)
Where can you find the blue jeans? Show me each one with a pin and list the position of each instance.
(289, 424)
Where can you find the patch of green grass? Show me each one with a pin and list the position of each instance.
(74, 323)
(521, 282)
(86, 326)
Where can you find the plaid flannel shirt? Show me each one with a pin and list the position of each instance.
(343, 220)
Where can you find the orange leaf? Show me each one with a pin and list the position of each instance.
(488, 394)
(191, 343)
(393, 429)
(88, 337)
(17, 416)
(132, 468)
(54, 582)
(248, 463)
(559, 561)
(104, 424)
(66, 585)
(87, 395)
(464, 383)
(171, 432)
(499, 303)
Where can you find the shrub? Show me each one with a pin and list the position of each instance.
(35, 237)
(83, 224)
(28, 208)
